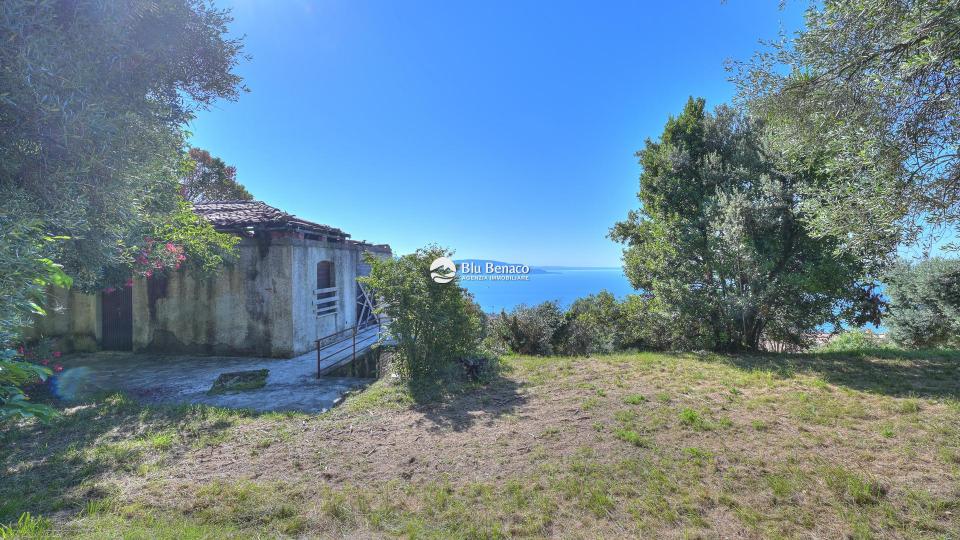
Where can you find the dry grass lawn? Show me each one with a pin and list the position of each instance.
(632, 445)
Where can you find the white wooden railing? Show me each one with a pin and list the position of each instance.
(326, 301)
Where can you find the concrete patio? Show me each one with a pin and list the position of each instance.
(292, 384)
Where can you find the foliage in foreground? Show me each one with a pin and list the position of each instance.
(93, 134)
(15, 374)
(24, 277)
(434, 323)
(867, 93)
(720, 243)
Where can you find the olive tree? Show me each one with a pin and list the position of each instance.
(719, 241)
(868, 93)
(95, 98)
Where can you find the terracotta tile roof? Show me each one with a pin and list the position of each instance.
(240, 215)
(375, 248)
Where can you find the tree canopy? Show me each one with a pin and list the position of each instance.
(868, 93)
(95, 97)
(208, 178)
(719, 242)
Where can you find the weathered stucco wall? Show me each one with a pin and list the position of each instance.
(261, 305)
(242, 310)
(72, 316)
(307, 326)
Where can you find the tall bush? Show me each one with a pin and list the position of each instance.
(925, 303)
(434, 324)
(531, 330)
(591, 325)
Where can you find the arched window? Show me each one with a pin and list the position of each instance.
(326, 300)
(325, 277)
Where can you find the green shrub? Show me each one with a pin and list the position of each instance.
(590, 325)
(594, 324)
(852, 341)
(434, 324)
(644, 323)
(533, 330)
(925, 303)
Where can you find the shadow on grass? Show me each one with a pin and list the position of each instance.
(450, 400)
(54, 467)
(933, 373)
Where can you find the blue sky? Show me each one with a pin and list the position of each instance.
(503, 130)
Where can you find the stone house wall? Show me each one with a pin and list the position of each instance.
(261, 305)
(72, 316)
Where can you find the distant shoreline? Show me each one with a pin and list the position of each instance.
(561, 268)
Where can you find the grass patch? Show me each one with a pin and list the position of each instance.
(694, 419)
(631, 436)
(853, 487)
(700, 445)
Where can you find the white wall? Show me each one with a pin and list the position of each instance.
(307, 326)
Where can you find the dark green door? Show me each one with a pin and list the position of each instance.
(117, 317)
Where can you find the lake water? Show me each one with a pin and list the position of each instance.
(563, 285)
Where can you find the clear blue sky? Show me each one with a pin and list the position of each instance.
(504, 130)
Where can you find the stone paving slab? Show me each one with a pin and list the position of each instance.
(292, 384)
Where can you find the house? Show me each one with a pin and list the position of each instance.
(294, 281)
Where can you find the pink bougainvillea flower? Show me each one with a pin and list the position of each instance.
(20, 349)
(129, 283)
(57, 354)
(171, 248)
(177, 267)
(148, 273)
(58, 368)
(45, 362)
